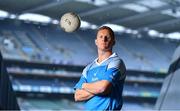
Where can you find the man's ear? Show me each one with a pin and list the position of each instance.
(95, 41)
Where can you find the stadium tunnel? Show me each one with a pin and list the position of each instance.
(169, 98)
(8, 100)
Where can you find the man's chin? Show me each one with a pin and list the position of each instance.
(106, 49)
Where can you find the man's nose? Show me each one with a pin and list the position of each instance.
(105, 38)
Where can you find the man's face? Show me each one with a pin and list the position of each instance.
(104, 41)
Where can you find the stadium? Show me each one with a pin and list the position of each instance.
(41, 63)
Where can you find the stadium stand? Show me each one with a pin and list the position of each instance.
(48, 66)
(43, 63)
(141, 51)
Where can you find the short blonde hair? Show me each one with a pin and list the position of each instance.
(107, 28)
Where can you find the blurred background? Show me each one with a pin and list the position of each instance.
(44, 63)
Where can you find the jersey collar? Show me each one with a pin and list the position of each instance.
(112, 55)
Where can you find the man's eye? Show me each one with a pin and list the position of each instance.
(108, 37)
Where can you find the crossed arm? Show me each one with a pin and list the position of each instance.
(81, 95)
(90, 89)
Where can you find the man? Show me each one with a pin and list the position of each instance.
(101, 83)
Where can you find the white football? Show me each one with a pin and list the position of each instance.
(70, 22)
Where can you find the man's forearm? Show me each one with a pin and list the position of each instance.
(81, 95)
(99, 87)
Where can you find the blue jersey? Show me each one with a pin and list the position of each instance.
(113, 70)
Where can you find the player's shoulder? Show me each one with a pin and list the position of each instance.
(88, 66)
(116, 62)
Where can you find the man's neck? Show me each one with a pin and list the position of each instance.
(102, 55)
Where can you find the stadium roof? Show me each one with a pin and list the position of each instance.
(160, 15)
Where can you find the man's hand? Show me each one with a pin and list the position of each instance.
(81, 95)
(99, 87)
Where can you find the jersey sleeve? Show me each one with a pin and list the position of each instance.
(115, 71)
(81, 80)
